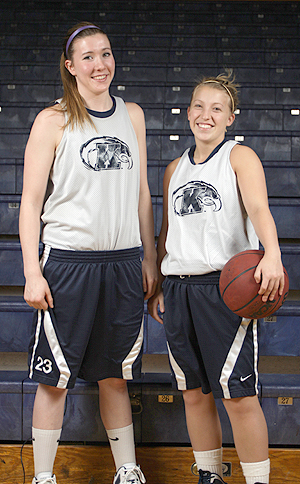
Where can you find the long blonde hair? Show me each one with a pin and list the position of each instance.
(72, 103)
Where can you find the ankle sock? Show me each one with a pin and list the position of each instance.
(256, 471)
(209, 460)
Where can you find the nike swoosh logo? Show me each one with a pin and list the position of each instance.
(243, 378)
(117, 438)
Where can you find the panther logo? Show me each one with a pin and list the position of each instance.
(106, 153)
(194, 197)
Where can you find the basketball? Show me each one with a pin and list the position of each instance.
(240, 291)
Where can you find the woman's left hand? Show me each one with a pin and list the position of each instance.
(269, 273)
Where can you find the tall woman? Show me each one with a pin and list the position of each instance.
(85, 179)
(215, 205)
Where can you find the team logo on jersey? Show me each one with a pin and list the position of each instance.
(106, 153)
(194, 197)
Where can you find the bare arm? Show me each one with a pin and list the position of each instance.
(252, 185)
(157, 300)
(39, 154)
(145, 204)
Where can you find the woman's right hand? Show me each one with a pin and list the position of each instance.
(37, 293)
(155, 303)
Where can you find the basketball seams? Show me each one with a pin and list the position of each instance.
(237, 277)
(239, 289)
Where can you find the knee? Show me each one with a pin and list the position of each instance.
(196, 397)
(53, 392)
(113, 385)
(48, 395)
(242, 407)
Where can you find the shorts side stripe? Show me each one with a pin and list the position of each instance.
(255, 344)
(232, 356)
(36, 340)
(179, 374)
(129, 360)
(59, 358)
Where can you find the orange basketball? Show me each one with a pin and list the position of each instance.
(240, 291)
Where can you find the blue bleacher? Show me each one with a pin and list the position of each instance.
(11, 405)
(16, 322)
(281, 406)
(278, 334)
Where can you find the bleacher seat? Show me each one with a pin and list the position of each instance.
(11, 405)
(140, 73)
(286, 214)
(278, 334)
(259, 119)
(271, 147)
(287, 95)
(140, 94)
(7, 176)
(30, 93)
(283, 179)
(11, 273)
(162, 406)
(9, 214)
(18, 116)
(16, 322)
(281, 406)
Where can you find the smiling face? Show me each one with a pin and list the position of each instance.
(209, 114)
(92, 64)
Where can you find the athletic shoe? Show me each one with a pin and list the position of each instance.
(46, 480)
(132, 475)
(206, 477)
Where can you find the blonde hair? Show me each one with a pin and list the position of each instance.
(222, 82)
(72, 103)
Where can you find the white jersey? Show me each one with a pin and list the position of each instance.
(207, 220)
(95, 183)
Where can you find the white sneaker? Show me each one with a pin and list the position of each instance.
(133, 475)
(46, 480)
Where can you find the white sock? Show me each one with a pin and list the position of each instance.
(44, 444)
(209, 460)
(256, 471)
(122, 446)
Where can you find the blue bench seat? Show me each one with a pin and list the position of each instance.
(281, 407)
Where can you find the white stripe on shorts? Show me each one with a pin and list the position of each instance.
(59, 358)
(64, 370)
(36, 340)
(255, 343)
(43, 261)
(234, 352)
(179, 374)
(132, 355)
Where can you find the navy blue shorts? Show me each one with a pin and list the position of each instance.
(95, 330)
(209, 346)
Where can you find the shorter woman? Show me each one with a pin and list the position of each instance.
(215, 205)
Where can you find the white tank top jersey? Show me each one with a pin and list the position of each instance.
(94, 186)
(207, 220)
